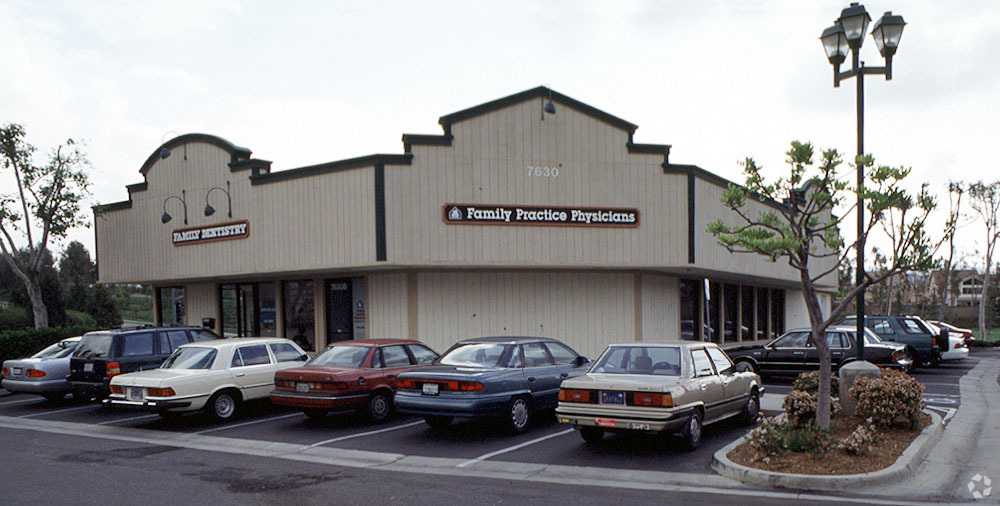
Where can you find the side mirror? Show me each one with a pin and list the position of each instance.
(581, 360)
(304, 357)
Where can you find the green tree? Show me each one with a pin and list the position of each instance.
(48, 284)
(800, 226)
(75, 266)
(45, 205)
(984, 198)
(103, 308)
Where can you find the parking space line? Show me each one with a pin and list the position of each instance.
(56, 411)
(512, 448)
(109, 422)
(362, 434)
(249, 423)
(20, 401)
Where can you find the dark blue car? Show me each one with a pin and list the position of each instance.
(509, 377)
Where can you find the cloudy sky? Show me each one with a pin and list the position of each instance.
(306, 82)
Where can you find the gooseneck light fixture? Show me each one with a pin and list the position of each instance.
(548, 107)
(183, 198)
(164, 151)
(209, 210)
(847, 34)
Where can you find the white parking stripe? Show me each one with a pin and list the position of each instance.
(512, 448)
(57, 411)
(109, 422)
(352, 436)
(37, 399)
(249, 423)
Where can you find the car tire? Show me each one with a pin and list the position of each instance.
(913, 360)
(438, 422)
(315, 413)
(222, 405)
(379, 407)
(519, 414)
(745, 366)
(751, 409)
(692, 431)
(54, 396)
(591, 435)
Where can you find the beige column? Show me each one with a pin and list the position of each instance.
(319, 312)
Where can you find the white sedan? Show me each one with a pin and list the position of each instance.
(212, 375)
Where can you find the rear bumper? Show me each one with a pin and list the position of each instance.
(464, 406)
(354, 400)
(148, 405)
(90, 387)
(36, 387)
(625, 420)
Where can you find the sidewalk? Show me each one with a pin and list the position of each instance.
(770, 404)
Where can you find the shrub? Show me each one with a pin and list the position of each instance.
(860, 441)
(14, 317)
(809, 438)
(800, 404)
(809, 382)
(772, 437)
(885, 399)
(80, 319)
(26, 342)
(768, 438)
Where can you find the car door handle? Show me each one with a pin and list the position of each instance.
(240, 374)
(391, 376)
(799, 352)
(531, 379)
(564, 375)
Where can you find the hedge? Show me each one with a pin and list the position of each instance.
(26, 342)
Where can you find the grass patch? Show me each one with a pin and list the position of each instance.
(992, 336)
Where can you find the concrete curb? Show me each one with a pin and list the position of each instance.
(903, 468)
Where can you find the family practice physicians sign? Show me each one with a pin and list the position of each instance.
(491, 214)
(220, 232)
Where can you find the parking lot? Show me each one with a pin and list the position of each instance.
(465, 443)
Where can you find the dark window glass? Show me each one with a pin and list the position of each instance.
(702, 364)
(395, 356)
(747, 306)
(777, 311)
(713, 317)
(300, 313)
(480, 355)
(171, 308)
(793, 340)
(535, 355)
(230, 311)
(268, 318)
(762, 312)
(721, 361)
(134, 345)
(284, 352)
(731, 294)
(253, 355)
(203, 335)
(561, 354)
(95, 345)
(422, 354)
(343, 356)
(835, 340)
(690, 302)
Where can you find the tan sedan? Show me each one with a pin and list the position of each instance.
(658, 387)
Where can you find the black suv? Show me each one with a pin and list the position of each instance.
(912, 331)
(106, 353)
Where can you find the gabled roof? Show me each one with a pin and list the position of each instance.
(235, 152)
(535, 93)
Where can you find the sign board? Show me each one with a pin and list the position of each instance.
(492, 214)
(211, 233)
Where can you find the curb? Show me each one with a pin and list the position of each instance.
(903, 468)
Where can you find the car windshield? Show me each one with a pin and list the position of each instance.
(655, 360)
(191, 358)
(61, 349)
(341, 356)
(478, 355)
(94, 346)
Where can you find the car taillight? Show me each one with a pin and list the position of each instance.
(330, 386)
(160, 392)
(407, 383)
(658, 400)
(574, 396)
(959, 345)
(112, 369)
(933, 341)
(116, 389)
(34, 373)
(284, 384)
(443, 385)
(4, 372)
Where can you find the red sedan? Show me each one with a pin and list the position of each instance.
(358, 375)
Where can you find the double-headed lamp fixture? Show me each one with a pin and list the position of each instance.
(848, 33)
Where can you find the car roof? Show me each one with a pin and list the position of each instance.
(665, 344)
(509, 339)
(372, 342)
(234, 341)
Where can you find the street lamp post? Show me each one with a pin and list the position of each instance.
(848, 33)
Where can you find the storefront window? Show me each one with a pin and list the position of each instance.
(778, 311)
(732, 305)
(300, 314)
(690, 296)
(268, 313)
(762, 312)
(747, 312)
(171, 310)
(712, 316)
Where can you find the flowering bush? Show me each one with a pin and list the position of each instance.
(809, 382)
(861, 440)
(885, 399)
(800, 404)
(809, 438)
(768, 438)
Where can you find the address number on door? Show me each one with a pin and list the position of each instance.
(543, 171)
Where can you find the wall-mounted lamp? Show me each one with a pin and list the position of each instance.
(548, 107)
(209, 210)
(183, 198)
(164, 152)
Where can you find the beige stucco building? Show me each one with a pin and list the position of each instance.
(512, 221)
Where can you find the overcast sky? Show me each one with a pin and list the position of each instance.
(301, 83)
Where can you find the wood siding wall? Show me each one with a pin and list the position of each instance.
(388, 316)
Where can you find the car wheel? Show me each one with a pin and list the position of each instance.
(591, 435)
(692, 431)
(379, 407)
(315, 414)
(913, 360)
(438, 422)
(54, 396)
(745, 366)
(519, 414)
(751, 409)
(222, 406)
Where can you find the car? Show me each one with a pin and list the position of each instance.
(668, 387)
(792, 353)
(43, 373)
(964, 333)
(215, 376)
(503, 377)
(104, 354)
(358, 375)
(958, 349)
(927, 344)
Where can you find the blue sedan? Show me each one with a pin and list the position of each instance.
(509, 377)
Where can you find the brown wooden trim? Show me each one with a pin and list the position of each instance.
(214, 239)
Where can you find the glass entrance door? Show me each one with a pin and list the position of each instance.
(340, 322)
(242, 307)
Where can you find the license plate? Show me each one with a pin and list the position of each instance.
(302, 387)
(603, 422)
(431, 388)
(17, 370)
(88, 367)
(135, 394)
(612, 397)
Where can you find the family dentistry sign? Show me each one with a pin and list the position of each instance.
(489, 214)
(220, 232)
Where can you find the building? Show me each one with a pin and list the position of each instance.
(517, 219)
